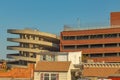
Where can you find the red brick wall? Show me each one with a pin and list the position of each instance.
(115, 78)
(92, 41)
(115, 18)
(19, 72)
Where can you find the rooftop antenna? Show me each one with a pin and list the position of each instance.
(78, 22)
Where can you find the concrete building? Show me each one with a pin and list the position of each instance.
(31, 42)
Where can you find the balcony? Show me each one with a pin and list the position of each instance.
(91, 41)
(17, 57)
(34, 32)
(18, 48)
(42, 43)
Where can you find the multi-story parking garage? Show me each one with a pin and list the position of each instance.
(97, 44)
(100, 45)
(31, 42)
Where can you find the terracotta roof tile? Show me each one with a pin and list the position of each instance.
(106, 59)
(100, 72)
(52, 66)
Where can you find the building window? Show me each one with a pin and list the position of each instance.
(44, 57)
(46, 76)
(96, 55)
(111, 45)
(82, 46)
(53, 76)
(49, 76)
(68, 37)
(82, 37)
(96, 36)
(96, 46)
(34, 55)
(69, 47)
(110, 54)
(110, 35)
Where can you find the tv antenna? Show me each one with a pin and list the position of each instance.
(78, 22)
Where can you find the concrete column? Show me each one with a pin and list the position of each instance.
(88, 37)
(75, 37)
(88, 55)
(103, 55)
(117, 44)
(38, 58)
(118, 54)
(89, 46)
(75, 46)
(117, 35)
(103, 45)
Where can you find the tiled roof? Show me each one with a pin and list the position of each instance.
(106, 59)
(100, 71)
(52, 66)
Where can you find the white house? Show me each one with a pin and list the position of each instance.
(55, 70)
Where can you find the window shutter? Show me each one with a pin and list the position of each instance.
(41, 76)
(57, 76)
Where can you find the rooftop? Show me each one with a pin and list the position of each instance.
(72, 28)
(100, 72)
(52, 66)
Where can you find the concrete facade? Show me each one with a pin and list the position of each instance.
(31, 42)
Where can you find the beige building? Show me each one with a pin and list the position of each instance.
(31, 42)
(53, 70)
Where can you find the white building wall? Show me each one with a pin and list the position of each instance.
(69, 72)
(75, 57)
(62, 57)
(62, 75)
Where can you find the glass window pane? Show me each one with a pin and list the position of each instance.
(46, 76)
(53, 77)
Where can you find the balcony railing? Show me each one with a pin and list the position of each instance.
(17, 57)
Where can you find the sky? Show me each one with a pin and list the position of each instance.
(51, 16)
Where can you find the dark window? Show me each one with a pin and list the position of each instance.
(34, 55)
(27, 54)
(28, 36)
(53, 76)
(96, 46)
(111, 45)
(44, 57)
(25, 45)
(110, 35)
(82, 37)
(110, 54)
(82, 46)
(95, 55)
(69, 47)
(68, 37)
(46, 76)
(96, 36)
